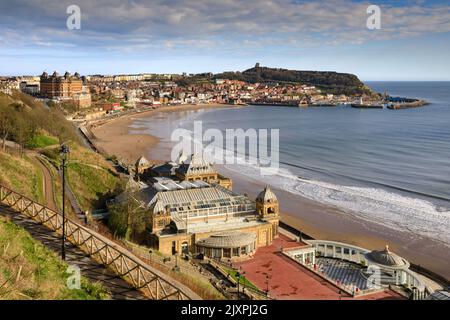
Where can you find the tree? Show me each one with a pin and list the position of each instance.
(127, 218)
(6, 123)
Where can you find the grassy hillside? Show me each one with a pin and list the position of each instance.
(88, 174)
(33, 125)
(21, 175)
(30, 271)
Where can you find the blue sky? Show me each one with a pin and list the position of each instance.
(175, 36)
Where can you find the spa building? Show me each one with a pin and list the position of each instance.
(192, 209)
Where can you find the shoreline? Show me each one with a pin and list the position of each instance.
(113, 138)
(312, 218)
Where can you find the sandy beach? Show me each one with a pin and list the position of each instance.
(312, 218)
(113, 135)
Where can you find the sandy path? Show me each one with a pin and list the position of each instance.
(48, 182)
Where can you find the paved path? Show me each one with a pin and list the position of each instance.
(90, 269)
(48, 182)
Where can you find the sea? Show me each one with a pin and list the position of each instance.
(386, 166)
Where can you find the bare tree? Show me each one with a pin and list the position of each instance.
(6, 123)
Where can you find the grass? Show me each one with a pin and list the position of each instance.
(41, 141)
(21, 175)
(88, 174)
(242, 281)
(42, 274)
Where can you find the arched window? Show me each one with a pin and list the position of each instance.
(185, 247)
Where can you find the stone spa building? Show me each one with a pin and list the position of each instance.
(192, 209)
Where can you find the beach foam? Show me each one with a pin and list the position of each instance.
(416, 216)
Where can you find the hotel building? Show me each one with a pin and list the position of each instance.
(68, 87)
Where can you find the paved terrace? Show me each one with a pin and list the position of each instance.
(290, 281)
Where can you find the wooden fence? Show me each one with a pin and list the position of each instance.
(153, 283)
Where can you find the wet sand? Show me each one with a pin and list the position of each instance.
(312, 218)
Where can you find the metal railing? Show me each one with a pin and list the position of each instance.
(151, 282)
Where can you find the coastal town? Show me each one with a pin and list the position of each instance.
(224, 159)
(94, 96)
(184, 217)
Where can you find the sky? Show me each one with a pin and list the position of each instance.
(193, 36)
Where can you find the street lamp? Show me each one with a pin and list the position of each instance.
(63, 152)
(176, 261)
(238, 276)
(243, 281)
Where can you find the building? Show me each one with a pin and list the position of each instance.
(377, 269)
(56, 86)
(196, 168)
(196, 217)
(191, 212)
(68, 88)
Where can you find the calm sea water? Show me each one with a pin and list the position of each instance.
(387, 166)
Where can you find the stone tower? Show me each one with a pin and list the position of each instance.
(268, 209)
(160, 216)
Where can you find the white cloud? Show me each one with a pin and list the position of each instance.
(207, 23)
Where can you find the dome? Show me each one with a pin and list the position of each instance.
(67, 74)
(386, 258)
(266, 195)
(55, 74)
(44, 74)
(231, 239)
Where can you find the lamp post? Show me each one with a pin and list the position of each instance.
(243, 281)
(267, 283)
(64, 151)
(176, 261)
(238, 276)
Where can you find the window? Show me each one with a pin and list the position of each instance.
(227, 252)
(185, 247)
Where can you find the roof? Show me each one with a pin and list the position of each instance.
(167, 168)
(167, 184)
(158, 206)
(197, 198)
(266, 195)
(439, 295)
(195, 165)
(198, 194)
(142, 161)
(386, 258)
(231, 239)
